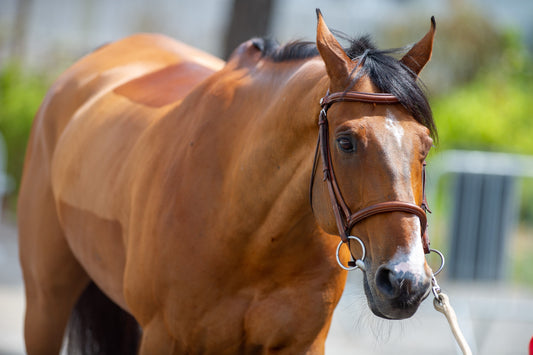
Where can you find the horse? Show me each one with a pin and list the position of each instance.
(165, 199)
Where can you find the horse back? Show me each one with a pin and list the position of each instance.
(146, 69)
(107, 99)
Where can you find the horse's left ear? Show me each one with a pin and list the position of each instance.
(420, 53)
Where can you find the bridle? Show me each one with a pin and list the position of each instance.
(344, 218)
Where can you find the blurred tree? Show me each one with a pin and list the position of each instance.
(249, 18)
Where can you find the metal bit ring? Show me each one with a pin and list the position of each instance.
(350, 268)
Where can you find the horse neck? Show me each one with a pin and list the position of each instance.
(274, 153)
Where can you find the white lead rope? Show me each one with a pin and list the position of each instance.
(442, 304)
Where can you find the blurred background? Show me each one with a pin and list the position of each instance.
(480, 85)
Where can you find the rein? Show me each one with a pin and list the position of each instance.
(344, 218)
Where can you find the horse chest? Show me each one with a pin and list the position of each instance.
(285, 319)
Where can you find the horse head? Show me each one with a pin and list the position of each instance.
(378, 132)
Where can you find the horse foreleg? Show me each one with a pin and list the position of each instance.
(53, 278)
(47, 314)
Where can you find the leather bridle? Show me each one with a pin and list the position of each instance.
(345, 219)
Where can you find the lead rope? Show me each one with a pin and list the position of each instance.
(441, 302)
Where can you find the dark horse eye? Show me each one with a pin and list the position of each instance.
(346, 144)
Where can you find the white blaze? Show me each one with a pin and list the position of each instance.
(394, 127)
(412, 260)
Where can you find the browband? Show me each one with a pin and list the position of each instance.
(367, 97)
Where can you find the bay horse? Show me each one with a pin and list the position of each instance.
(165, 195)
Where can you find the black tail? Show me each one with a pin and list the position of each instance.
(98, 326)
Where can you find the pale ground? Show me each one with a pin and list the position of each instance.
(495, 318)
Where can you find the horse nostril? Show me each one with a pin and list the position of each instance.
(387, 281)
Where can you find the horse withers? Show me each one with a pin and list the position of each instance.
(165, 195)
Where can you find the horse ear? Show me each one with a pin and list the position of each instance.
(334, 56)
(420, 53)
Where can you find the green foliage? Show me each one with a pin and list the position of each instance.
(20, 96)
(494, 111)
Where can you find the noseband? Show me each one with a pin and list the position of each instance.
(345, 219)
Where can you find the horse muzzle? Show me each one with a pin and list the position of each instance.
(394, 292)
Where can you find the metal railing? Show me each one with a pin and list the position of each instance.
(484, 212)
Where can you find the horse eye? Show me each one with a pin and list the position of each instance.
(346, 144)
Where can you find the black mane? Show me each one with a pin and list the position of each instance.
(294, 50)
(386, 72)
